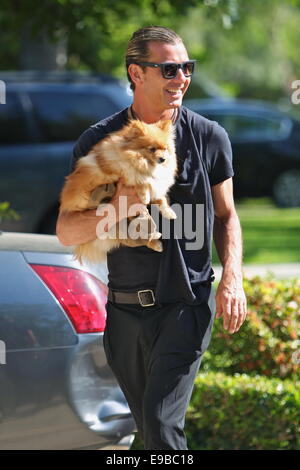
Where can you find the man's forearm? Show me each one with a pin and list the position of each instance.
(230, 297)
(228, 241)
(74, 228)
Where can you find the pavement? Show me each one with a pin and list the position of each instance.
(279, 271)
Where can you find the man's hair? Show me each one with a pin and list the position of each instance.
(138, 50)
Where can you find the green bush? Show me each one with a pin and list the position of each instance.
(137, 443)
(243, 412)
(7, 213)
(244, 397)
(267, 340)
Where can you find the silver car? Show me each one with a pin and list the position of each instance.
(56, 389)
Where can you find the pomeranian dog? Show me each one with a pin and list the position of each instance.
(144, 156)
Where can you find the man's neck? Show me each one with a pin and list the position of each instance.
(150, 115)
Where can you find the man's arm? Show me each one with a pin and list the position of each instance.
(230, 296)
(74, 228)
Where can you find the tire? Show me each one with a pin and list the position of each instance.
(286, 189)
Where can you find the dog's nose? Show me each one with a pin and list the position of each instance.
(161, 159)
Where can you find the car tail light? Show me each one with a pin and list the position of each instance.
(82, 296)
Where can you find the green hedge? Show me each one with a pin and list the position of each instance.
(267, 340)
(243, 412)
(247, 394)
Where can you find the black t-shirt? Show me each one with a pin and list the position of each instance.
(181, 272)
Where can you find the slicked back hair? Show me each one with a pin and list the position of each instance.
(138, 50)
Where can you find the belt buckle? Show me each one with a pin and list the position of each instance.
(140, 300)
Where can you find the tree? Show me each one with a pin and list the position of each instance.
(255, 56)
(97, 30)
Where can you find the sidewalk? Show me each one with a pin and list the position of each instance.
(280, 271)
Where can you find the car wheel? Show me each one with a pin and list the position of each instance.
(286, 189)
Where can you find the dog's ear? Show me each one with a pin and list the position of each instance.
(165, 125)
(135, 129)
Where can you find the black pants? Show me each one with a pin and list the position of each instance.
(155, 353)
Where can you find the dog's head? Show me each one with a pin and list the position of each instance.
(145, 146)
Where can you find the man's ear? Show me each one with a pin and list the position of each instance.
(136, 73)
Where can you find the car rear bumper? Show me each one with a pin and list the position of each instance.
(62, 398)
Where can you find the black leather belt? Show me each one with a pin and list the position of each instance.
(145, 298)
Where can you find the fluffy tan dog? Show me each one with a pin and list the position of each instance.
(144, 156)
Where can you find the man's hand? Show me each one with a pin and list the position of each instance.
(232, 304)
(140, 226)
(131, 199)
(131, 205)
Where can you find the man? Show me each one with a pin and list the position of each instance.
(158, 319)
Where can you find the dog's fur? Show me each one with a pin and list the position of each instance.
(144, 156)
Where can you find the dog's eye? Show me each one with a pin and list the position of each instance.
(152, 149)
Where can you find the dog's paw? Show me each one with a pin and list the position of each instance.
(155, 236)
(155, 245)
(145, 198)
(143, 227)
(169, 214)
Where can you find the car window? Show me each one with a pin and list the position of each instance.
(12, 125)
(249, 127)
(64, 116)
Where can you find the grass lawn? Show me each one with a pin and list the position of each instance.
(270, 234)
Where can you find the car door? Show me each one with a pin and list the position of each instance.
(62, 113)
(22, 167)
(251, 134)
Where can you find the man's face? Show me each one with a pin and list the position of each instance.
(160, 92)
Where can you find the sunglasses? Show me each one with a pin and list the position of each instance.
(169, 69)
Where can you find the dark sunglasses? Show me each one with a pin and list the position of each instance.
(170, 69)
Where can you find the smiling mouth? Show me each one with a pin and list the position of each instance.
(174, 91)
